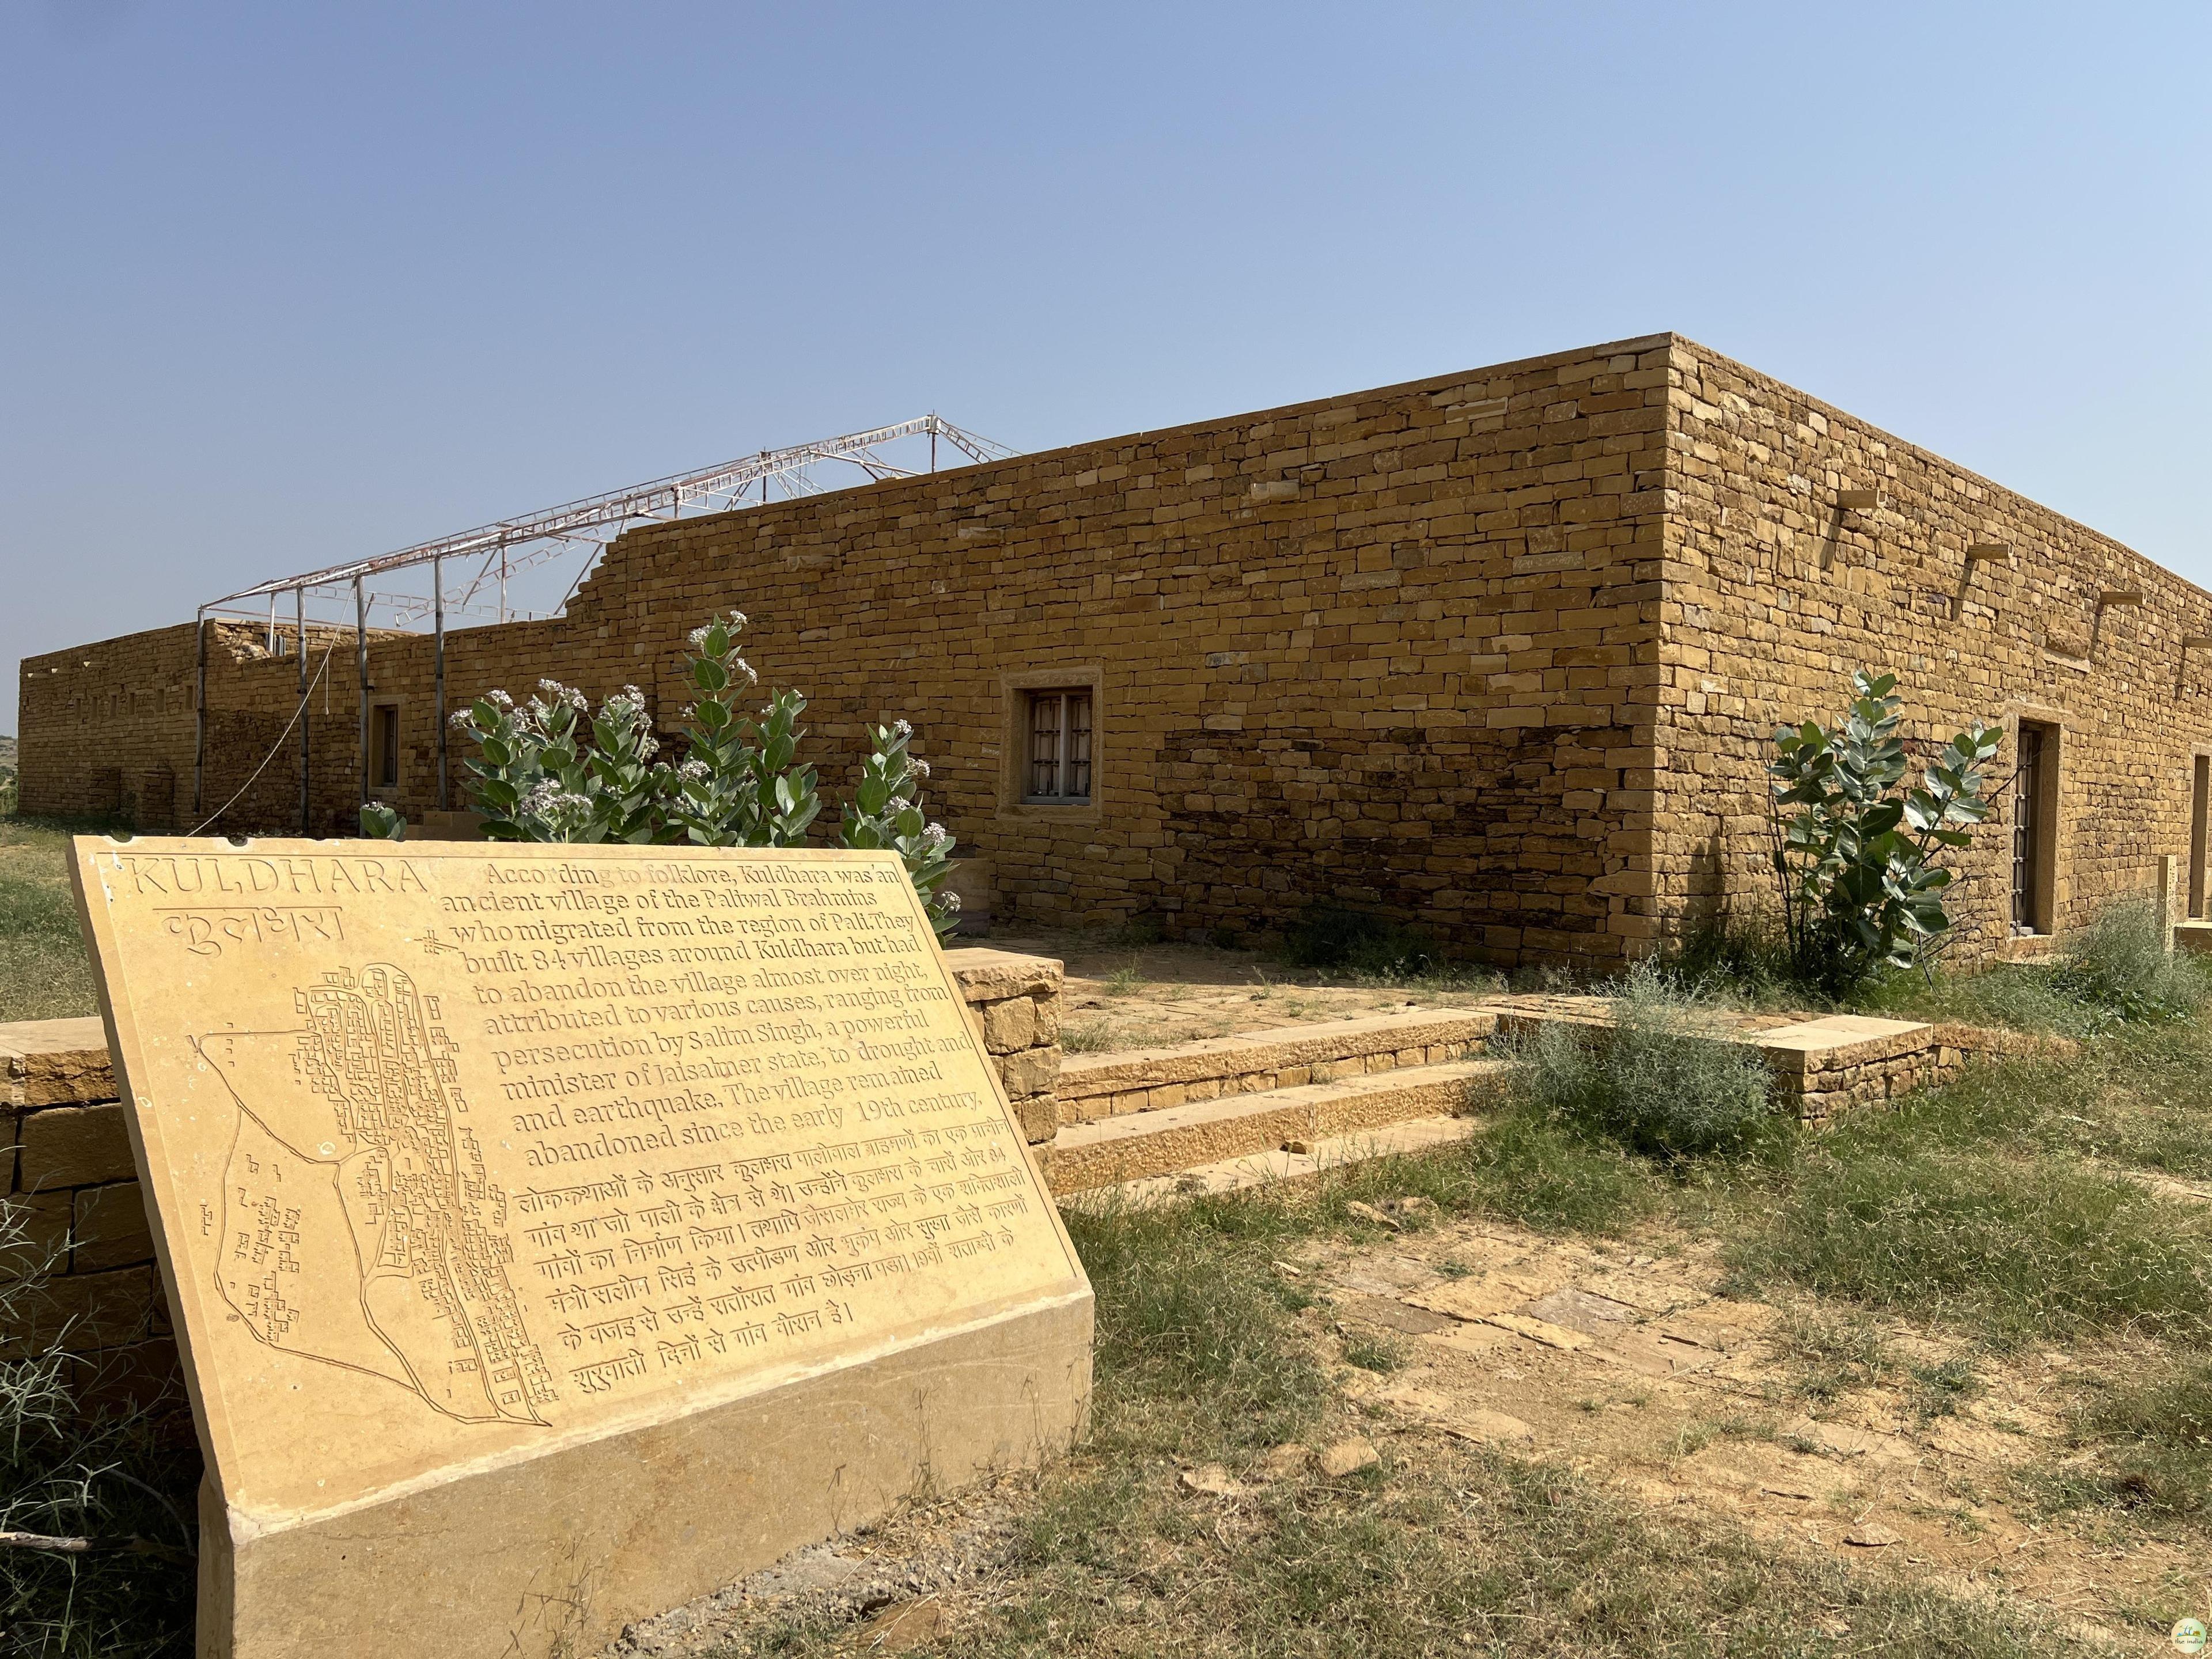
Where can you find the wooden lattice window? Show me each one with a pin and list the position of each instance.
(1058, 749)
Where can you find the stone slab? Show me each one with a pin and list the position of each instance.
(51, 1062)
(1842, 1039)
(986, 975)
(557, 1233)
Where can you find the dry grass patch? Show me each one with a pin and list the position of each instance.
(45, 973)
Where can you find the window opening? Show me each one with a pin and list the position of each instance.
(2028, 833)
(384, 744)
(1060, 748)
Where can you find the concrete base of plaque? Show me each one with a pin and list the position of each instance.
(557, 1234)
(553, 1557)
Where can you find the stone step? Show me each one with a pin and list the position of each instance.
(1094, 1086)
(1132, 1146)
(1229, 1174)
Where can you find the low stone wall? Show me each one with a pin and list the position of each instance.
(1872, 1068)
(1015, 1003)
(69, 1174)
(71, 1183)
(1819, 1067)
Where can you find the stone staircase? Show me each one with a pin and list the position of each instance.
(1153, 1112)
(1278, 1104)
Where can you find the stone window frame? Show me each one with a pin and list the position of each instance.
(398, 705)
(2051, 875)
(1015, 686)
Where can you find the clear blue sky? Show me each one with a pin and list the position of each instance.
(282, 284)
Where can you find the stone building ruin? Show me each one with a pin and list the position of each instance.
(1496, 654)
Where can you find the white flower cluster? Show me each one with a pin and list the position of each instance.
(499, 699)
(555, 694)
(948, 903)
(558, 809)
(693, 771)
(937, 834)
(627, 708)
(920, 768)
(902, 729)
(734, 623)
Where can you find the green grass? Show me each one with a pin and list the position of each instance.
(1373, 1350)
(1193, 1318)
(45, 973)
(1994, 1202)
(1829, 1354)
(2006, 1203)
(1526, 1166)
(2018, 1248)
(2111, 974)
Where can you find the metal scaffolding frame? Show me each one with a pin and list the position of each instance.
(509, 546)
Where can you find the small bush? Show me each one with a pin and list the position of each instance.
(1662, 1079)
(2119, 969)
(1086, 1036)
(1859, 854)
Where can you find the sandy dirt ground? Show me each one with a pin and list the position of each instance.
(1147, 996)
(1626, 1363)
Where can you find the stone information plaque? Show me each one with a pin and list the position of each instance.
(555, 1233)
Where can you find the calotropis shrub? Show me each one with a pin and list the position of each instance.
(1857, 854)
(549, 769)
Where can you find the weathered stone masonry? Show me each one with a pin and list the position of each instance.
(1773, 593)
(1495, 652)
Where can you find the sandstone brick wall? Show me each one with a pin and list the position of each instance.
(1774, 595)
(106, 730)
(1396, 650)
(1496, 653)
(70, 1177)
(71, 1184)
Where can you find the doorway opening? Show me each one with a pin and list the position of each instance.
(2034, 814)
(2200, 798)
